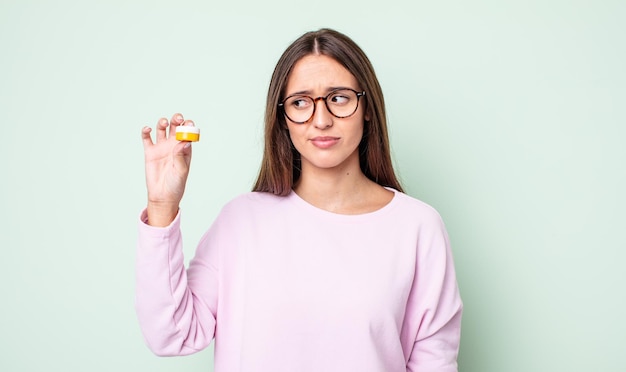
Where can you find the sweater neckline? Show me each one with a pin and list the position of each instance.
(311, 209)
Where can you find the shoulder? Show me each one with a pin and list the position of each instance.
(252, 203)
(416, 215)
(246, 211)
(413, 208)
(425, 224)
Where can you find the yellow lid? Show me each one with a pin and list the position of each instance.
(187, 133)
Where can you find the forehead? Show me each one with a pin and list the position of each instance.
(317, 74)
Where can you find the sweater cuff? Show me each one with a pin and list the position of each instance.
(147, 230)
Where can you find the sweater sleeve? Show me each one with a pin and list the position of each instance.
(435, 307)
(175, 318)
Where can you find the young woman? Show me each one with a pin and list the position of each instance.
(326, 265)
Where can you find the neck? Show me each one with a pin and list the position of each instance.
(330, 184)
(344, 189)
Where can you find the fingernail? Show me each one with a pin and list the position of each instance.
(188, 144)
(179, 118)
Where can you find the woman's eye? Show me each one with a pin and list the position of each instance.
(339, 99)
(300, 103)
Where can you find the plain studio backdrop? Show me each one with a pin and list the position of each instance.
(507, 116)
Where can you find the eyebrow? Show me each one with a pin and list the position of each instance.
(328, 90)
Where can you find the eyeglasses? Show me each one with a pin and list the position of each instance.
(341, 103)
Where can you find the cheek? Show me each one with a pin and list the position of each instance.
(295, 136)
(359, 136)
(359, 130)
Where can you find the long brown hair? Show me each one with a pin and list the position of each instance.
(280, 167)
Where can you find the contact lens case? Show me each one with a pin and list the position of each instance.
(187, 133)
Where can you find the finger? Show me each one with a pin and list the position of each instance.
(182, 154)
(161, 130)
(187, 154)
(177, 119)
(183, 149)
(145, 137)
(189, 122)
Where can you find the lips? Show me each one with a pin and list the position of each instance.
(324, 142)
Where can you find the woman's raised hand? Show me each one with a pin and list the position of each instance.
(167, 167)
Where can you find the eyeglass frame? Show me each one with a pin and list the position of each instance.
(323, 98)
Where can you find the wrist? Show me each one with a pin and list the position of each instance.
(161, 214)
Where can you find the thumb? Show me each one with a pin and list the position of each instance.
(182, 154)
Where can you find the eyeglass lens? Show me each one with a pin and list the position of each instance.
(340, 103)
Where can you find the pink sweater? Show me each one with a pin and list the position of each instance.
(284, 286)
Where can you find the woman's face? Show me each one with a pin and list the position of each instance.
(325, 141)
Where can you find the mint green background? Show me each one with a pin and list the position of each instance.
(507, 116)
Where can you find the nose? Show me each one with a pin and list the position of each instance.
(322, 118)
